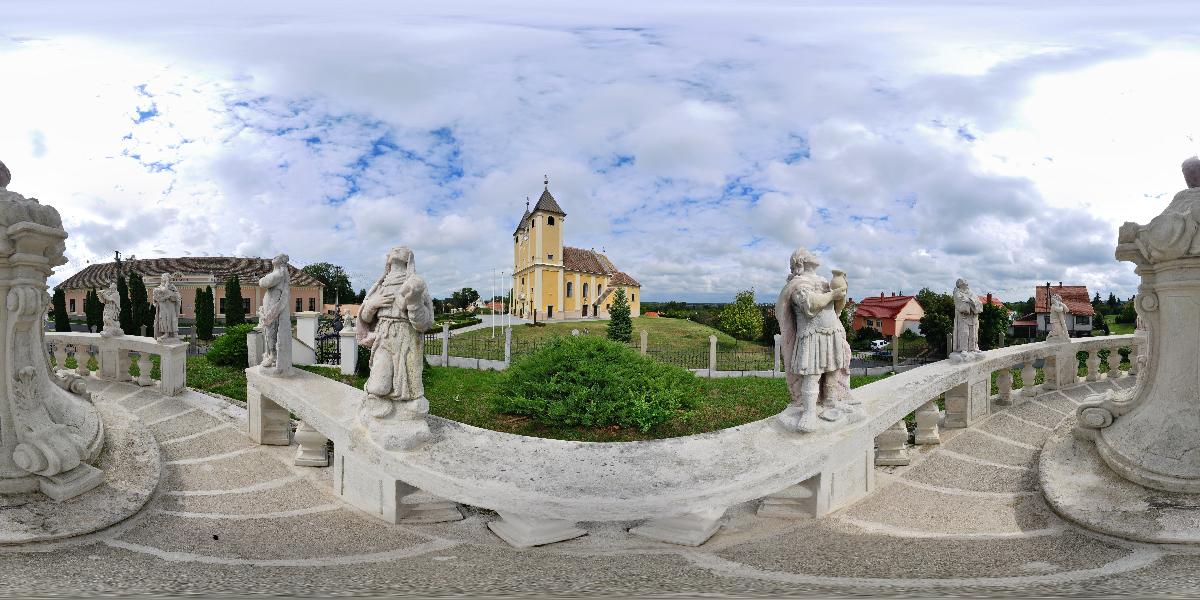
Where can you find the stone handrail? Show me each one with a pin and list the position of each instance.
(112, 355)
(541, 487)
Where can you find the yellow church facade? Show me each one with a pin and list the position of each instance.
(552, 281)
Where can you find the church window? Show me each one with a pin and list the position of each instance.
(585, 290)
(633, 297)
(570, 288)
(549, 220)
(299, 305)
(550, 256)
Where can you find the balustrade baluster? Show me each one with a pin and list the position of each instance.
(893, 446)
(1114, 364)
(1004, 383)
(1028, 377)
(1093, 365)
(312, 452)
(83, 355)
(927, 424)
(1134, 355)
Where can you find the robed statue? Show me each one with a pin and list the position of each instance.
(1058, 319)
(813, 345)
(275, 318)
(167, 304)
(967, 308)
(391, 322)
(111, 316)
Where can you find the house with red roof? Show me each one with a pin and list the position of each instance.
(889, 315)
(1079, 305)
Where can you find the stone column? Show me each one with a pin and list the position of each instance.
(644, 339)
(60, 355)
(48, 435)
(712, 356)
(1028, 377)
(172, 368)
(306, 328)
(1114, 363)
(1004, 382)
(348, 350)
(446, 344)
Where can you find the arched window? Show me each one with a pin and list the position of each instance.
(633, 297)
(549, 220)
(570, 287)
(585, 291)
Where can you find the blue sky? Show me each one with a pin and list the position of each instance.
(698, 143)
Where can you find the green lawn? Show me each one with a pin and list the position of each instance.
(227, 381)
(1116, 328)
(464, 395)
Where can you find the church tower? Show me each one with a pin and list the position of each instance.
(538, 258)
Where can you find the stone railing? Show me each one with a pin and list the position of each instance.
(112, 355)
(967, 387)
(673, 490)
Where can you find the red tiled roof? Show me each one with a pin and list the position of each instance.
(248, 270)
(1076, 297)
(590, 261)
(995, 301)
(886, 307)
(623, 278)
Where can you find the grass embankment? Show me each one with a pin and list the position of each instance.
(465, 395)
(1115, 328)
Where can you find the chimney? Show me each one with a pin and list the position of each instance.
(880, 294)
(893, 294)
(1060, 284)
(989, 298)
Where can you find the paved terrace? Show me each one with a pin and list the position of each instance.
(233, 517)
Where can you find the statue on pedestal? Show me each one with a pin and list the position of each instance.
(275, 318)
(168, 302)
(391, 322)
(112, 311)
(814, 349)
(967, 308)
(1058, 320)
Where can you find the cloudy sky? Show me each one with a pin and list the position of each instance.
(698, 143)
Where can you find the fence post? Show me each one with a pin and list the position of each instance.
(712, 356)
(777, 357)
(645, 336)
(895, 353)
(508, 345)
(348, 350)
(446, 344)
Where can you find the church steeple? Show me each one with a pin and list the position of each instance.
(547, 203)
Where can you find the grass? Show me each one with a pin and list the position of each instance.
(465, 395)
(1116, 328)
(206, 376)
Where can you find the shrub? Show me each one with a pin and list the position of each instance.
(742, 319)
(588, 381)
(620, 325)
(229, 349)
(235, 313)
(61, 321)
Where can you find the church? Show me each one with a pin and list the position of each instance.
(554, 282)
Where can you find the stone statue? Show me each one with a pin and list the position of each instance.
(396, 312)
(112, 311)
(1058, 320)
(816, 355)
(49, 432)
(967, 309)
(1171, 234)
(275, 318)
(168, 302)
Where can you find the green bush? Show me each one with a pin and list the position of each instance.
(588, 381)
(229, 349)
(742, 319)
(620, 325)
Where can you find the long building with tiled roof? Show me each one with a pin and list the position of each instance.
(555, 281)
(196, 272)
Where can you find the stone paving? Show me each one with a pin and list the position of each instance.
(234, 518)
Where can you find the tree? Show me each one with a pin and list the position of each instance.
(994, 322)
(938, 321)
(125, 317)
(1098, 304)
(1128, 312)
(235, 313)
(62, 322)
(361, 297)
(620, 325)
(462, 298)
(139, 305)
(742, 319)
(770, 324)
(93, 311)
(1114, 305)
(204, 313)
(336, 282)
(847, 317)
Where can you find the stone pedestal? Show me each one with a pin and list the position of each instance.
(841, 484)
(525, 532)
(366, 487)
(347, 350)
(691, 529)
(967, 403)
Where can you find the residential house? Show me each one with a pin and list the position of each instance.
(1079, 304)
(890, 315)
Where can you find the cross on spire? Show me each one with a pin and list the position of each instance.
(546, 181)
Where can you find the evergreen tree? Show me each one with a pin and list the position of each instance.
(90, 312)
(235, 313)
(1114, 305)
(620, 325)
(125, 318)
(139, 306)
(1098, 304)
(1128, 312)
(204, 313)
(742, 319)
(938, 321)
(62, 322)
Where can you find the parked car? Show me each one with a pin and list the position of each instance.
(879, 344)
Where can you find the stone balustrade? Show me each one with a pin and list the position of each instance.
(112, 355)
(970, 400)
(675, 490)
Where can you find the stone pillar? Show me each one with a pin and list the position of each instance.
(895, 353)
(312, 450)
(269, 423)
(306, 328)
(48, 435)
(114, 363)
(893, 446)
(254, 348)
(1004, 383)
(967, 402)
(1114, 364)
(1028, 377)
(348, 350)
(842, 482)
(928, 417)
(776, 351)
(644, 338)
(172, 368)
(508, 345)
(60, 355)
(712, 356)
(446, 344)
(1093, 365)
